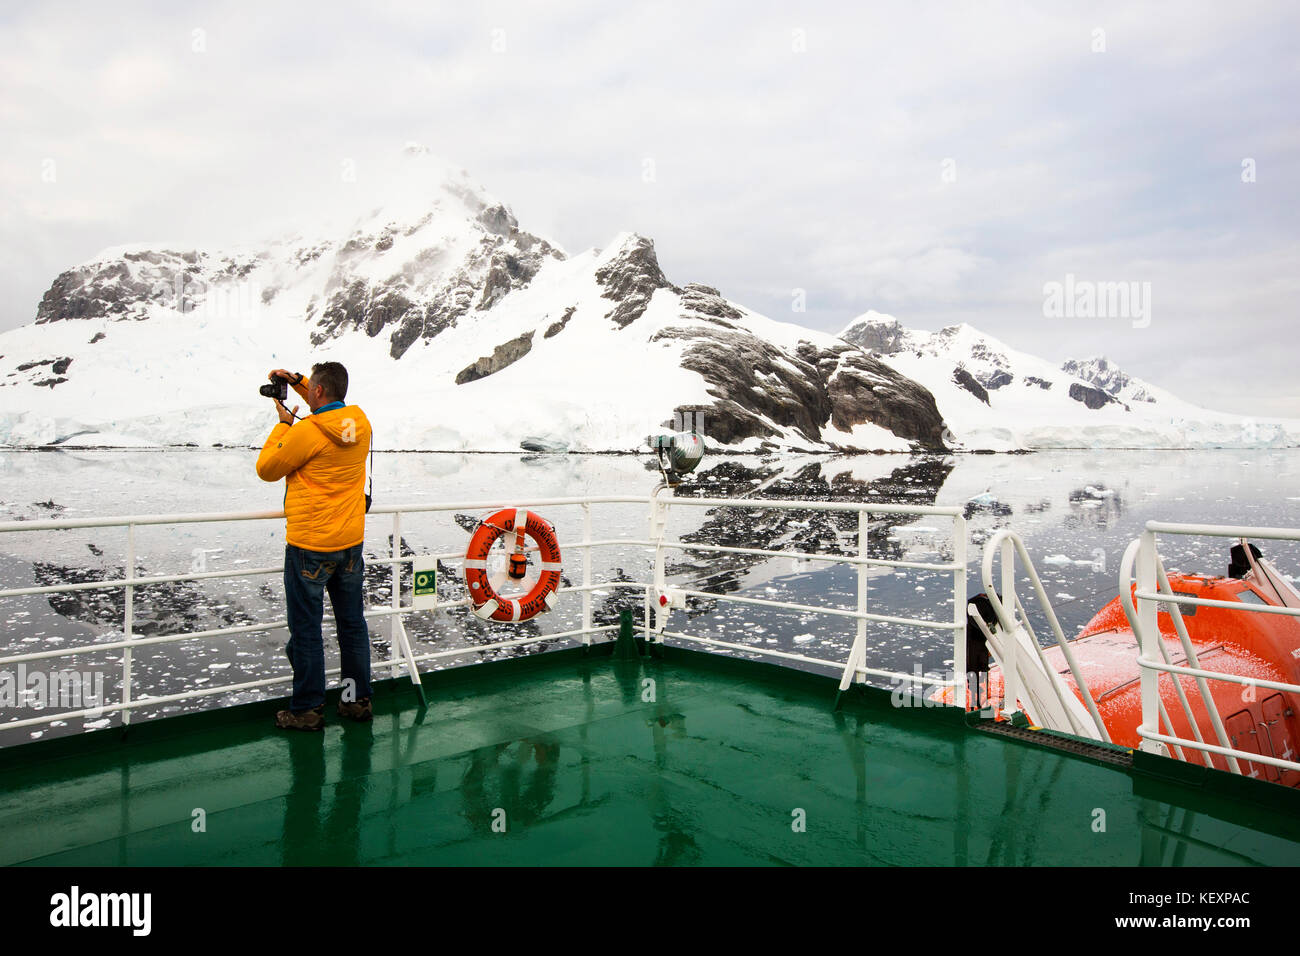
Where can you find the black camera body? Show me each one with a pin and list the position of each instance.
(277, 389)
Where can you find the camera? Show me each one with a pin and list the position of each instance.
(277, 389)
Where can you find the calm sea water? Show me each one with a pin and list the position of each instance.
(1076, 510)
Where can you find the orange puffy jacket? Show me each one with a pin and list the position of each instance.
(324, 458)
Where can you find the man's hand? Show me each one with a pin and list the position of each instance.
(291, 377)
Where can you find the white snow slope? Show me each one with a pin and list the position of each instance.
(1029, 399)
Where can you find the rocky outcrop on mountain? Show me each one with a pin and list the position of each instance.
(630, 279)
(994, 380)
(967, 381)
(761, 388)
(555, 328)
(756, 384)
(1094, 398)
(707, 301)
(126, 285)
(863, 390)
(1108, 377)
(429, 286)
(398, 273)
(505, 354)
(877, 334)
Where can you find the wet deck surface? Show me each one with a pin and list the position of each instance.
(578, 760)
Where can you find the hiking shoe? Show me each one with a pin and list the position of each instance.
(307, 720)
(356, 710)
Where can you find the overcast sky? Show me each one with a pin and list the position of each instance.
(940, 162)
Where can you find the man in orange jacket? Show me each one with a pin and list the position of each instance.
(323, 458)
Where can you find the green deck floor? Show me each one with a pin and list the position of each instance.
(564, 751)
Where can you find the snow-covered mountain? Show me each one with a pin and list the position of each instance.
(459, 330)
(1108, 377)
(995, 397)
(463, 331)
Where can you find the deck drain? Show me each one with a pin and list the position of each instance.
(1080, 748)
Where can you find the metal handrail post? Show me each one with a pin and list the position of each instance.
(1011, 667)
(858, 653)
(394, 638)
(1148, 636)
(1211, 708)
(586, 572)
(128, 625)
(961, 697)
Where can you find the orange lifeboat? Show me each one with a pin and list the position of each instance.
(1229, 641)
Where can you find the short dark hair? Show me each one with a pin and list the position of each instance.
(332, 377)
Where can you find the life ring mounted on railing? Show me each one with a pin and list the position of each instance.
(488, 604)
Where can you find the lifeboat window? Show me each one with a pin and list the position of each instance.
(1247, 596)
(1189, 610)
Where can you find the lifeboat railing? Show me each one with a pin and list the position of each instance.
(403, 657)
(1142, 599)
(1027, 676)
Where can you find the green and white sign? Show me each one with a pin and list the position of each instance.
(426, 581)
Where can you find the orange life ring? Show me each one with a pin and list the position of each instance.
(488, 605)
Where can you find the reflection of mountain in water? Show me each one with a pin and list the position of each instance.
(915, 483)
(1094, 507)
(168, 607)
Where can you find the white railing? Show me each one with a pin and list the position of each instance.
(1027, 675)
(403, 655)
(1142, 603)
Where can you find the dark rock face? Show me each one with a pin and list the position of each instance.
(409, 305)
(1094, 398)
(505, 354)
(90, 293)
(967, 381)
(499, 221)
(97, 337)
(997, 379)
(1105, 375)
(1040, 382)
(555, 328)
(631, 279)
(760, 388)
(753, 387)
(708, 301)
(863, 390)
(126, 287)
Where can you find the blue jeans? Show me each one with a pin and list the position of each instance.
(307, 576)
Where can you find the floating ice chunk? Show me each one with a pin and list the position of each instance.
(803, 638)
(1057, 560)
(986, 498)
(98, 724)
